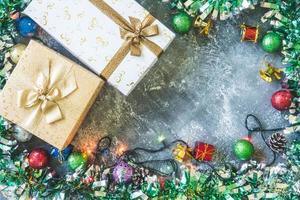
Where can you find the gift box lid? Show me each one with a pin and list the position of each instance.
(95, 38)
(48, 95)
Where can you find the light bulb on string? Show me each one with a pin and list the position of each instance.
(121, 148)
(161, 138)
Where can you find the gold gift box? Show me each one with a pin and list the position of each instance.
(49, 95)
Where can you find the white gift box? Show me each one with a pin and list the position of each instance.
(94, 38)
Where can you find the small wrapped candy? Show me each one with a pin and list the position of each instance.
(182, 153)
(203, 151)
(249, 33)
(270, 73)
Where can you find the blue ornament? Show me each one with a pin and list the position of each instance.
(105, 152)
(26, 26)
(54, 152)
(61, 155)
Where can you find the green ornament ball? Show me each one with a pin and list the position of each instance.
(243, 149)
(182, 22)
(76, 160)
(271, 42)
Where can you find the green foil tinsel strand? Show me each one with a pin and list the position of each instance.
(284, 16)
(212, 8)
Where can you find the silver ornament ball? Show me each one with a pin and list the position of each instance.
(21, 135)
(16, 52)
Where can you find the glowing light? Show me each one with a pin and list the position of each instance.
(161, 138)
(88, 153)
(121, 149)
(85, 155)
(248, 138)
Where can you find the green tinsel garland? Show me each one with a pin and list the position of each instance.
(254, 181)
(285, 18)
(213, 8)
(7, 24)
(8, 31)
(294, 153)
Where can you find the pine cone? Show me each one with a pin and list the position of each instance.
(139, 176)
(278, 142)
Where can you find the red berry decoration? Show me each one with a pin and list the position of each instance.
(162, 182)
(38, 158)
(89, 180)
(281, 100)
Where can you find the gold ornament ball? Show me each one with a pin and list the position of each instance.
(16, 52)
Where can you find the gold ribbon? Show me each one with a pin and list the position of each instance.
(51, 85)
(134, 33)
(207, 151)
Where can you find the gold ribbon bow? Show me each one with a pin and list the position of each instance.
(52, 84)
(135, 32)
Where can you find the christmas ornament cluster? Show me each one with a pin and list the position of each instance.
(126, 179)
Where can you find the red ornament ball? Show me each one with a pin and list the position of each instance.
(89, 180)
(38, 158)
(281, 100)
(162, 182)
